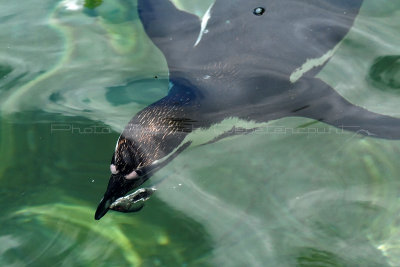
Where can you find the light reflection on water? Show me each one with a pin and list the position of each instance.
(276, 199)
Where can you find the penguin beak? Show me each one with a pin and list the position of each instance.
(103, 207)
(117, 187)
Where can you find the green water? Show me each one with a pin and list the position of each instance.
(71, 78)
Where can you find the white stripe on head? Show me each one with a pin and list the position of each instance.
(116, 145)
(204, 22)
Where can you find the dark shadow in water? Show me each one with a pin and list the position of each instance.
(114, 12)
(139, 91)
(14, 81)
(56, 97)
(8, 79)
(384, 73)
(309, 256)
(316, 257)
(4, 70)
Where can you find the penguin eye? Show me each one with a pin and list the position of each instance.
(258, 11)
(126, 156)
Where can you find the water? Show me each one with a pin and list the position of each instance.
(71, 78)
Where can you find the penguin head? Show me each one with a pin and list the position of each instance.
(124, 174)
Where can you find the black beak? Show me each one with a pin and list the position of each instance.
(103, 207)
(117, 187)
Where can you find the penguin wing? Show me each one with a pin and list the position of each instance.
(170, 29)
(321, 102)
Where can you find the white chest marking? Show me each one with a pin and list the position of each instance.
(202, 136)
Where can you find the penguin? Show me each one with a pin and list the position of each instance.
(245, 59)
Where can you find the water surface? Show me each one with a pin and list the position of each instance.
(72, 77)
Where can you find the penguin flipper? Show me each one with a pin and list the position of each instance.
(171, 30)
(326, 105)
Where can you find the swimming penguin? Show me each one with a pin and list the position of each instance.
(245, 59)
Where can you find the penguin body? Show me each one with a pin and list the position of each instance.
(246, 60)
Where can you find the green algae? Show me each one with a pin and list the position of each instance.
(79, 216)
(92, 3)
